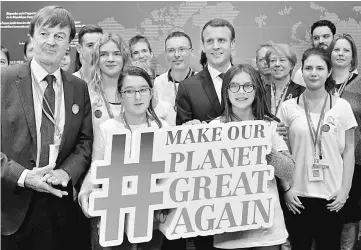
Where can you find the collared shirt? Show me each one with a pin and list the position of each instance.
(166, 91)
(38, 74)
(217, 81)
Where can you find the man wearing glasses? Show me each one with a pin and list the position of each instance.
(178, 52)
(322, 33)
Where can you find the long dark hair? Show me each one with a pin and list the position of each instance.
(324, 55)
(136, 71)
(259, 106)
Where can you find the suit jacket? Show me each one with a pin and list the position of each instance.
(19, 144)
(293, 91)
(197, 99)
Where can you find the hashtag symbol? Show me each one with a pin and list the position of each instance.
(141, 200)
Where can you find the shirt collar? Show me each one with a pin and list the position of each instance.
(215, 73)
(170, 78)
(40, 73)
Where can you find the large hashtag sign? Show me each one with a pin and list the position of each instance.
(128, 192)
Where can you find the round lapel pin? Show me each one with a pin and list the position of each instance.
(325, 127)
(75, 109)
(98, 113)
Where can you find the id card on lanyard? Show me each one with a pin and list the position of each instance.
(316, 172)
(53, 148)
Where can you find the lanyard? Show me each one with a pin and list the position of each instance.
(338, 92)
(190, 73)
(51, 116)
(275, 106)
(127, 124)
(110, 112)
(315, 135)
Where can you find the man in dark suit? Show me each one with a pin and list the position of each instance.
(47, 139)
(199, 97)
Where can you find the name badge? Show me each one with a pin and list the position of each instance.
(316, 173)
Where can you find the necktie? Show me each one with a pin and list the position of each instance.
(47, 128)
(221, 75)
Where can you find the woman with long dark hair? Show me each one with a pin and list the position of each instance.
(243, 99)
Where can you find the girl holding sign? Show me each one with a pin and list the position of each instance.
(243, 99)
(135, 88)
(321, 137)
(109, 57)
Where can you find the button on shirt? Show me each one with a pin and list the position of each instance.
(39, 74)
(217, 81)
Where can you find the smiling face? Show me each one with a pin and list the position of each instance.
(315, 72)
(241, 99)
(138, 104)
(322, 37)
(141, 52)
(341, 55)
(50, 45)
(110, 59)
(280, 66)
(179, 59)
(217, 45)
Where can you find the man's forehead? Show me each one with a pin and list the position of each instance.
(322, 30)
(57, 28)
(139, 46)
(177, 40)
(215, 32)
(91, 37)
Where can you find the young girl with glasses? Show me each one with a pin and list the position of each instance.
(136, 92)
(243, 99)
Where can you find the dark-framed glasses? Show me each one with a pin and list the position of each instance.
(181, 51)
(235, 87)
(129, 93)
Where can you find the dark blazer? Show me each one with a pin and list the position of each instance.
(293, 91)
(19, 145)
(197, 99)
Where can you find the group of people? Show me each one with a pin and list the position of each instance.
(54, 125)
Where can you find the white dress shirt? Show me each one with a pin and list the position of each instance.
(38, 75)
(217, 81)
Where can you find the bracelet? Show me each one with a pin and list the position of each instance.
(288, 190)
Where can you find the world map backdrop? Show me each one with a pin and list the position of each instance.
(255, 23)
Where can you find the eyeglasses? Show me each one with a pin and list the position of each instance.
(130, 93)
(235, 87)
(181, 51)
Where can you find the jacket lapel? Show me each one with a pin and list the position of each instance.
(68, 99)
(208, 86)
(24, 85)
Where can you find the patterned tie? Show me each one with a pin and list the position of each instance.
(221, 75)
(47, 128)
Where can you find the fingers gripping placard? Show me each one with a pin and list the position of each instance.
(214, 180)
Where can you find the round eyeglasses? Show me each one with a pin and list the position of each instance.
(235, 87)
(131, 92)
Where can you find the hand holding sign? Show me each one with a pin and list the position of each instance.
(214, 179)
